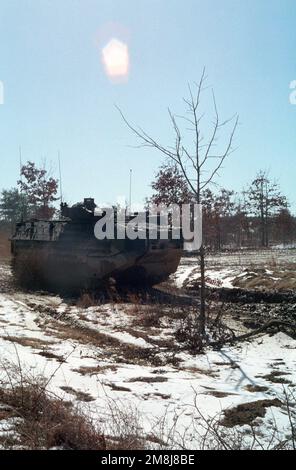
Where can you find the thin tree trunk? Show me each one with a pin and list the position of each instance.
(202, 310)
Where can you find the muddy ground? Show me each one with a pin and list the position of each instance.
(257, 286)
(250, 287)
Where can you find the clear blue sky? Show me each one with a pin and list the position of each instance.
(57, 95)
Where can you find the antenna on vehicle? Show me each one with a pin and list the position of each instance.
(21, 180)
(21, 165)
(60, 176)
(130, 191)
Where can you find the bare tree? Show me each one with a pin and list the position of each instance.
(199, 161)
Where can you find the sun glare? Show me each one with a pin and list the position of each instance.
(115, 58)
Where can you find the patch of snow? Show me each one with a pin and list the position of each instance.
(154, 391)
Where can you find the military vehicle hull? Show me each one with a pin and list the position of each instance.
(65, 255)
(54, 266)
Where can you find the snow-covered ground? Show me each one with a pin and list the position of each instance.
(224, 269)
(104, 354)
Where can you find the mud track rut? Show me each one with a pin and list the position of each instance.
(64, 326)
(246, 308)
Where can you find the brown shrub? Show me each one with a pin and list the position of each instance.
(124, 428)
(149, 318)
(87, 299)
(47, 422)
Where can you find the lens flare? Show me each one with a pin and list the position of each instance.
(115, 58)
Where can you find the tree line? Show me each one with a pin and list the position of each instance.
(258, 216)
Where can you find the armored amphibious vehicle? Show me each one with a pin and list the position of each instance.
(64, 254)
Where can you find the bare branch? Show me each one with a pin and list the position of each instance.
(222, 157)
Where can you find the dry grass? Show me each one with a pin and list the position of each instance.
(148, 379)
(117, 388)
(27, 341)
(277, 377)
(124, 352)
(79, 395)
(147, 316)
(246, 413)
(87, 300)
(45, 422)
(256, 388)
(94, 370)
(84, 335)
(39, 419)
(277, 279)
(51, 355)
(198, 370)
(219, 394)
